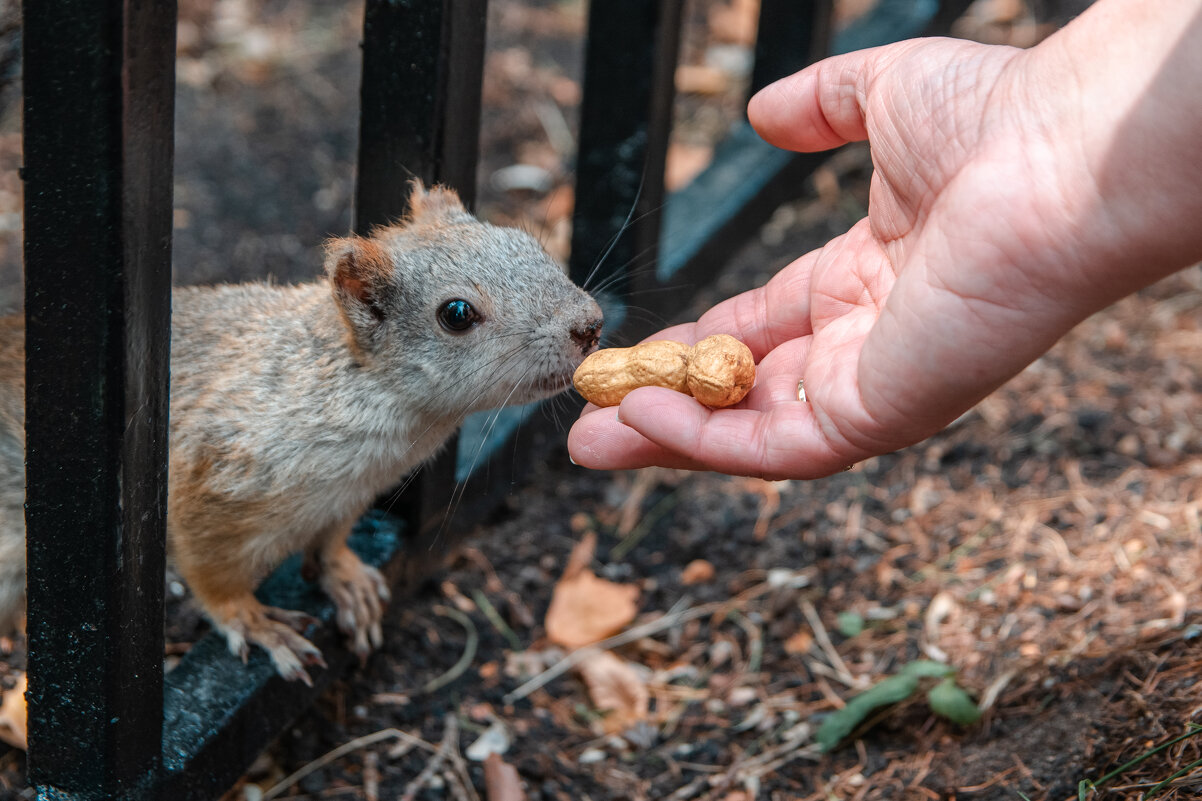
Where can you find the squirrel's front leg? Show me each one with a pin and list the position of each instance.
(358, 590)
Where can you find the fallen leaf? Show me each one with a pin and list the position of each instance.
(615, 688)
(698, 571)
(585, 608)
(501, 782)
(13, 715)
(799, 642)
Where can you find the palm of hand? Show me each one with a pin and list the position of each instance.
(878, 315)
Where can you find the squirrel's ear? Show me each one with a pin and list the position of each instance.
(437, 201)
(359, 271)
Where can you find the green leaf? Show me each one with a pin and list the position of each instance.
(927, 669)
(850, 624)
(949, 700)
(838, 725)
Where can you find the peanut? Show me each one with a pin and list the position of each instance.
(718, 371)
(721, 371)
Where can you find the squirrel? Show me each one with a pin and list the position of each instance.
(293, 407)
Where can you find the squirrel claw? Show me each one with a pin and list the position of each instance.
(358, 592)
(297, 621)
(277, 632)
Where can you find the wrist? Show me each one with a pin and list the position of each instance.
(1120, 84)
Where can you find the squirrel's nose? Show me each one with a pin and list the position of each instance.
(588, 335)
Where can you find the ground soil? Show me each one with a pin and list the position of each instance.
(1044, 545)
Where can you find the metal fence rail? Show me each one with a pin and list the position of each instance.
(98, 86)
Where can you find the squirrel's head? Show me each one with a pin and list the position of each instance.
(477, 315)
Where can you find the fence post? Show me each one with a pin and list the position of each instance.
(790, 35)
(423, 64)
(625, 122)
(99, 99)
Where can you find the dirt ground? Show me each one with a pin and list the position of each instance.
(1044, 546)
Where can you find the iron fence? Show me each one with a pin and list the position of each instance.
(104, 720)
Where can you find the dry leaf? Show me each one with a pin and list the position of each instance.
(585, 608)
(800, 642)
(13, 715)
(615, 688)
(501, 782)
(698, 571)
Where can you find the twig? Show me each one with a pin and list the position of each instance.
(460, 769)
(469, 649)
(342, 750)
(455, 784)
(689, 790)
(450, 738)
(824, 641)
(371, 776)
(755, 642)
(495, 618)
(672, 618)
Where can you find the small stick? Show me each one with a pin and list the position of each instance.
(450, 736)
(371, 776)
(672, 618)
(342, 750)
(828, 647)
(469, 649)
(495, 618)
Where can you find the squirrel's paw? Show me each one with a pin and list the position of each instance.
(277, 631)
(359, 593)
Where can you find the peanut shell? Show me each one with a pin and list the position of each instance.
(608, 375)
(721, 371)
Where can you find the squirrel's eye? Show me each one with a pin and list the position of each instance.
(458, 315)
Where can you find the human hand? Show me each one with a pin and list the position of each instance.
(999, 217)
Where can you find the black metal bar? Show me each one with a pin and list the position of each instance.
(99, 99)
(420, 116)
(625, 121)
(790, 36)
